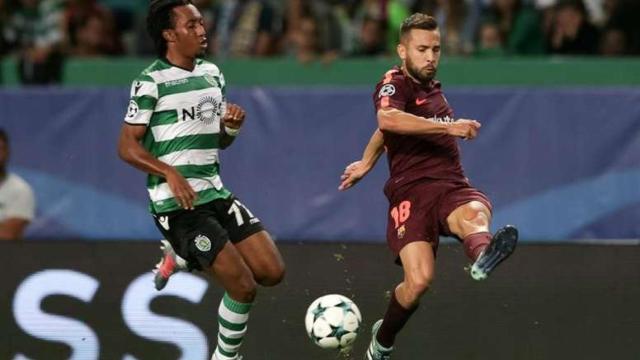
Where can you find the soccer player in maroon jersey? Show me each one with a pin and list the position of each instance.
(427, 191)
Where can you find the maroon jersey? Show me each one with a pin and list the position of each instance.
(411, 157)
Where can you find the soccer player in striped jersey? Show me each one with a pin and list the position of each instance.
(177, 121)
(428, 193)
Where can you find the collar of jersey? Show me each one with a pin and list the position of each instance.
(165, 60)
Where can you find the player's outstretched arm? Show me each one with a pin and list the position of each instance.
(131, 151)
(232, 121)
(357, 170)
(400, 122)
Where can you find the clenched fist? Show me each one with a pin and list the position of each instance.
(464, 128)
(234, 117)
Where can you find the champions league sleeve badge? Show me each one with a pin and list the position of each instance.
(132, 110)
(387, 90)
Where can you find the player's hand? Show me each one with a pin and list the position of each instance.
(234, 117)
(181, 189)
(352, 174)
(464, 128)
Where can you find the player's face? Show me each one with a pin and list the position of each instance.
(420, 54)
(188, 34)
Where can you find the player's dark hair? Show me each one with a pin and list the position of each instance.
(418, 21)
(160, 18)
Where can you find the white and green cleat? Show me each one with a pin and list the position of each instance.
(502, 245)
(375, 350)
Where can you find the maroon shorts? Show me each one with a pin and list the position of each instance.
(419, 211)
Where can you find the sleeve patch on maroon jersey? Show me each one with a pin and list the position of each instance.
(387, 90)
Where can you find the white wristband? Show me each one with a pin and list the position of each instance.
(231, 131)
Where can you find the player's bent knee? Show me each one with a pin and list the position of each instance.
(476, 213)
(471, 217)
(273, 276)
(472, 208)
(418, 285)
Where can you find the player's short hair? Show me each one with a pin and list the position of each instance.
(418, 21)
(160, 18)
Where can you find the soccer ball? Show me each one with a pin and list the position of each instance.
(332, 321)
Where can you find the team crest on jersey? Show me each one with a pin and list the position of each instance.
(213, 80)
(387, 90)
(208, 109)
(132, 110)
(401, 231)
(202, 243)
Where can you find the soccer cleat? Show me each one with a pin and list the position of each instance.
(501, 247)
(375, 350)
(169, 264)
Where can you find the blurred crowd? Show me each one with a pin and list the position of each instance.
(42, 33)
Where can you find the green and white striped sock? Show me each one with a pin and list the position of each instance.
(232, 325)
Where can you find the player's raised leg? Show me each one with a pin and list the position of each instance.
(470, 222)
(263, 258)
(418, 263)
(237, 279)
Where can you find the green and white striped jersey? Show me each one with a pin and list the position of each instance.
(182, 111)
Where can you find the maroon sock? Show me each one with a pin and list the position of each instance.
(475, 243)
(394, 320)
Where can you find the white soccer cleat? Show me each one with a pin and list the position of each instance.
(375, 350)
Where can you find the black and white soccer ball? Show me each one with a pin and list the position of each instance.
(332, 321)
